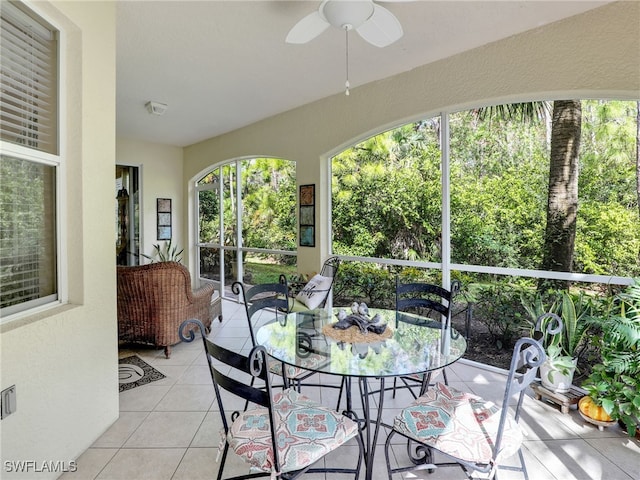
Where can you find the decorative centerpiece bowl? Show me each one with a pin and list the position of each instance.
(359, 317)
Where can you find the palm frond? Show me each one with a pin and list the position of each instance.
(524, 112)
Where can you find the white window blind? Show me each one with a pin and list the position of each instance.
(28, 197)
(28, 88)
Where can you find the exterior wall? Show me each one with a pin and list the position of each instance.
(64, 361)
(594, 54)
(160, 171)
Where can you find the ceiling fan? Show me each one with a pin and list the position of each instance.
(374, 23)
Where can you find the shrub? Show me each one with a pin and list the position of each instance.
(499, 308)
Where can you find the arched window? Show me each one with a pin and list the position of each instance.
(467, 195)
(246, 221)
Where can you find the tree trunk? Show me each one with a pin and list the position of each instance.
(562, 204)
(638, 153)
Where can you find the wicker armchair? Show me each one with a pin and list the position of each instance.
(154, 299)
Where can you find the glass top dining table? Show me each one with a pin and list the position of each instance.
(308, 340)
(304, 339)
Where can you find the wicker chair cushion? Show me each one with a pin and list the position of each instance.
(459, 424)
(305, 433)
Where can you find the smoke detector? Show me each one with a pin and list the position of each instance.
(156, 108)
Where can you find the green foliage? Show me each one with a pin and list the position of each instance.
(165, 253)
(605, 245)
(269, 201)
(364, 282)
(498, 307)
(615, 381)
(574, 310)
(268, 190)
(617, 393)
(386, 195)
(262, 272)
(375, 284)
(568, 347)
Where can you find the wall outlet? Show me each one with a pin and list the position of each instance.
(7, 401)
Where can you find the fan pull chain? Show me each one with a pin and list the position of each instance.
(346, 84)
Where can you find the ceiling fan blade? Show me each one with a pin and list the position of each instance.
(382, 29)
(307, 29)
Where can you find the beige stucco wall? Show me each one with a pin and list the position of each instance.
(592, 55)
(160, 166)
(64, 362)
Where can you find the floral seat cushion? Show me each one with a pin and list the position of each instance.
(459, 424)
(305, 432)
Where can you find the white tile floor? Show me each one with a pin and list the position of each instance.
(169, 428)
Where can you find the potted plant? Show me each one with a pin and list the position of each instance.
(165, 253)
(614, 383)
(564, 346)
(556, 372)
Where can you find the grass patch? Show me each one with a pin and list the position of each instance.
(267, 272)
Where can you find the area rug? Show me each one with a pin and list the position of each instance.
(133, 372)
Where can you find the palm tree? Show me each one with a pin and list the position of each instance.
(562, 202)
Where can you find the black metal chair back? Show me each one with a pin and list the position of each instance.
(253, 367)
(329, 269)
(264, 296)
(425, 299)
(248, 378)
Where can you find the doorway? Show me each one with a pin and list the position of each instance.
(127, 215)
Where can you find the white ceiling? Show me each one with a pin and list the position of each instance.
(222, 65)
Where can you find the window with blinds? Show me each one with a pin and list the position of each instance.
(29, 161)
(29, 87)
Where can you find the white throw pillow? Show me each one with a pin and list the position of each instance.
(315, 291)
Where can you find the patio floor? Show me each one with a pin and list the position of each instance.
(169, 428)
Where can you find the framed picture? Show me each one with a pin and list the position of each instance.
(164, 219)
(307, 236)
(307, 215)
(163, 207)
(307, 211)
(307, 194)
(164, 233)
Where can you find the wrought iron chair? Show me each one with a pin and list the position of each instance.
(272, 297)
(473, 433)
(280, 436)
(434, 305)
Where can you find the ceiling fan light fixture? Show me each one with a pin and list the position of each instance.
(347, 14)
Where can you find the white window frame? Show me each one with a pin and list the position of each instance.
(239, 247)
(57, 161)
(445, 266)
